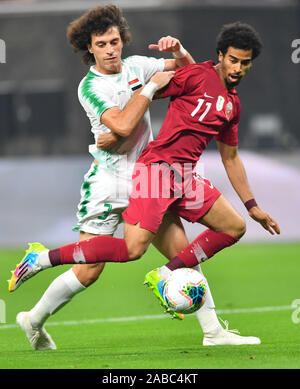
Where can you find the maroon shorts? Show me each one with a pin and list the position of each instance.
(157, 188)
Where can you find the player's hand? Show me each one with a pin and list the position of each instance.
(162, 78)
(167, 44)
(267, 222)
(107, 140)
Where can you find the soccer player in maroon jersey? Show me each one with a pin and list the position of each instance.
(204, 105)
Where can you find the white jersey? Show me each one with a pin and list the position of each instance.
(106, 186)
(98, 92)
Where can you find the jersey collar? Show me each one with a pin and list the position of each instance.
(212, 65)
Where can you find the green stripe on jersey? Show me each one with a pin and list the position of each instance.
(86, 187)
(89, 94)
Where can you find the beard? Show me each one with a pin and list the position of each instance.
(232, 84)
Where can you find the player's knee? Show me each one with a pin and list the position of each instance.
(240, 228)
(235, 227)
(87, 274)
(137, 243)
(136, 251)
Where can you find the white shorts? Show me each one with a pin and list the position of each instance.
(104, 196)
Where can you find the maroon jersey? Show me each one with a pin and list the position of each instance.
(200, 108)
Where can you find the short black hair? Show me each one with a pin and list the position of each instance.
(240, 36)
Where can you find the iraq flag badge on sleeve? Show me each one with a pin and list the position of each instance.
(135, 84)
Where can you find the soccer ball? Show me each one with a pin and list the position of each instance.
(184, 291)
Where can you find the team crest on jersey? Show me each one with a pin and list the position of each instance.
(228, 110)
(135, 84)
(220, 103)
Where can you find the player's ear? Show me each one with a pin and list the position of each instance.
(220, 56)
(89, 46)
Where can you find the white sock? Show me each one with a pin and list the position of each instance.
(165, 272)
(206, 315)
(59, 293)
(44, 260)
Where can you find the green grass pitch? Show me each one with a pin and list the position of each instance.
(117, 323)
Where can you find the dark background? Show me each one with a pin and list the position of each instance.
(39, 109)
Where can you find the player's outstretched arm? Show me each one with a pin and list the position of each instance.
(123, 122)
(237, 175)
(169, 44)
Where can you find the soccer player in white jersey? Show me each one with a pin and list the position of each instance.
(107, 95)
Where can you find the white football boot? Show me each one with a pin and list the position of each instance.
(38, 338)
(226, 337)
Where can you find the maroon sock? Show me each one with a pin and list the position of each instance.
(203, 247)
(175, 263)
(98, 249)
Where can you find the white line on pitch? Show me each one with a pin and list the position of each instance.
(153, 317)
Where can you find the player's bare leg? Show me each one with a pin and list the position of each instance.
(225, 228)
(223, 217)
(87, 273)
(59, 293)
(171, 237)
(137, 240)
(170, 240)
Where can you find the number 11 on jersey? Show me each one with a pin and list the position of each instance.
(197, 109)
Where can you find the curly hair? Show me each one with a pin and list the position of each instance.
(96, 21)
(240, 36)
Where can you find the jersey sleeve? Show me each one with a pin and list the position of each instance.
(95, 96)
(149, 65)
(182, 82)
(229, 135)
